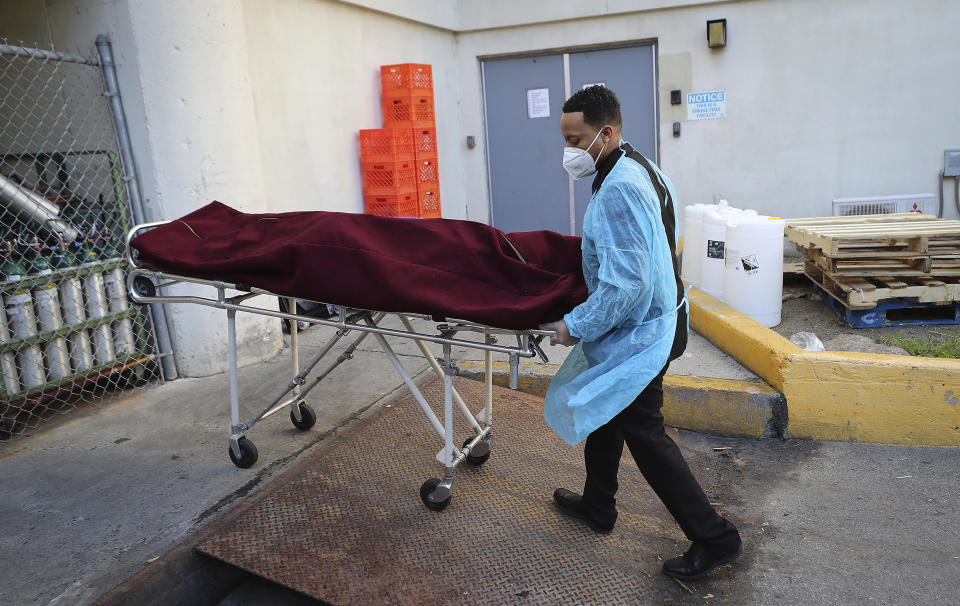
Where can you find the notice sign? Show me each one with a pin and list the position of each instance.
(538, 103)
(707, 106)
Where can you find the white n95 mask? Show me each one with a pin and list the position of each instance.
(578, 162)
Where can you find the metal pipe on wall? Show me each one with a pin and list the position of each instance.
(161, 329)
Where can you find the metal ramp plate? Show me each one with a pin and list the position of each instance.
(347, 526)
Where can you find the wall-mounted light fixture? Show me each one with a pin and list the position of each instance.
(717, 33)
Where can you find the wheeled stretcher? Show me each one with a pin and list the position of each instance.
(145, 284)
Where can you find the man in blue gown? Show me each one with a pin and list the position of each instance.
(633, 323)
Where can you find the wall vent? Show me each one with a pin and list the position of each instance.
(885, 205)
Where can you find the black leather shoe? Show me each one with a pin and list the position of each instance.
(697, 562)
(571, 504)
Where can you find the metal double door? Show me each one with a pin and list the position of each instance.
(523, 97)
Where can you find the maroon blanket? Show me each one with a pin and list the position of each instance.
(441, 267)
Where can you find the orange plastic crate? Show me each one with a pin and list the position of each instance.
(386, 145)
(414, 78)
(429, 200)
(389, 177)
(424, 142)
(427, 174)
(400, 205)
(408, 110)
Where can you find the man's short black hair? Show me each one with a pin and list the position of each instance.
(598, 103)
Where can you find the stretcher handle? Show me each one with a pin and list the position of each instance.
(133, 232)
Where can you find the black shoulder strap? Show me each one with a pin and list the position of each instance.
(669, 224)
(658, 184)
(663, 193)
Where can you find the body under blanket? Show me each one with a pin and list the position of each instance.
(441, 267)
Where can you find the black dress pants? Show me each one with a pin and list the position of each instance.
(640, 425)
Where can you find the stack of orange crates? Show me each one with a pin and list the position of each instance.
(399, 161)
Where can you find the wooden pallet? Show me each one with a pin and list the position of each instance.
(862, 219)
(878, 246)
(894, 312)
(885, 264)
(793, 268)
(907, 233)
(858, 293)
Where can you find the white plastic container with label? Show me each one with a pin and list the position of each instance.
(714, 248)
(692, 245)
(753, 275)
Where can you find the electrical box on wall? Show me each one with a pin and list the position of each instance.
(951, 163)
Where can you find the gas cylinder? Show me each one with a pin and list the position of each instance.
(96, 295)
(115, 283)
(9, 384)
(47, 301)
(23, 325)
(71, 300)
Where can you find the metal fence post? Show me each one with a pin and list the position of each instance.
(133, 186)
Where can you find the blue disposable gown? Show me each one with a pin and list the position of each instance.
(627, 324)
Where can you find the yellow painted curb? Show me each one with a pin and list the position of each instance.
(723, 406)
(534, 378)
(719, 406)
(753, 344)
(841, 395)
(873, 398)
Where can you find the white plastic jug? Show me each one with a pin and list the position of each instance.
(753, 275)
(714, 247)
(692, 246)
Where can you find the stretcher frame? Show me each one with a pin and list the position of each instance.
(144, 288)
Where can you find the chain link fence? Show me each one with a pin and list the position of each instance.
(68, 336)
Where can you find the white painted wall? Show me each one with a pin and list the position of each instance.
(471, 15)
(200, 144)
(443, 14)
(185, 83)
(315, 72)
(825, 99)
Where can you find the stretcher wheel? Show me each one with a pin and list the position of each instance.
(477, 459)
(143, 287)
(308, 418)
(425, 495)
(248, 454)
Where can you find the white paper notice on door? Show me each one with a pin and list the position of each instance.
(538, 102)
